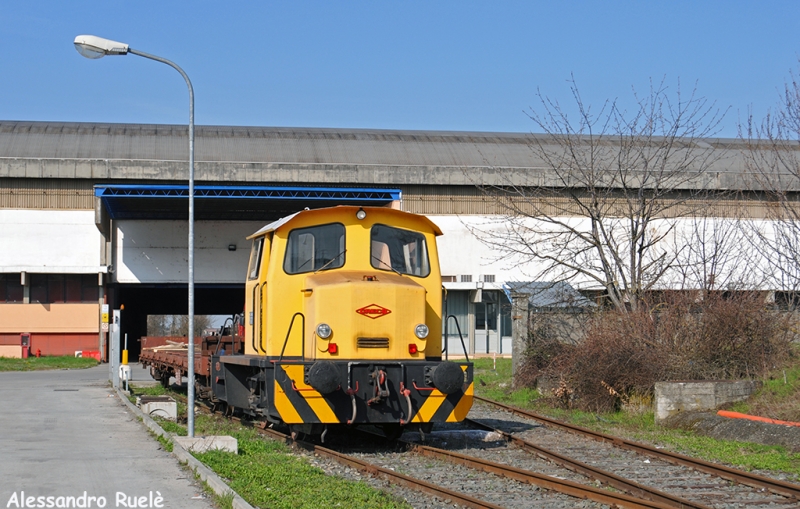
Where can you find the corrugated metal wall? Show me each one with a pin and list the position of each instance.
(77, 194)
(470, 200)
(44, 194)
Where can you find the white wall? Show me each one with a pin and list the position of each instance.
(740, 259)
(49, 241)
(460, 251)
(157, 251)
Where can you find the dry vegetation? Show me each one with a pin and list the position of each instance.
(682, 336)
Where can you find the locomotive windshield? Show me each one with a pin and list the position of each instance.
(315, 248)
(401, 251)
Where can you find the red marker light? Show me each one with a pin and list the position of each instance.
(412, 348)
(333, 348)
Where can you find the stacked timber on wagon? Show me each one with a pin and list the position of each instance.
(167, 356)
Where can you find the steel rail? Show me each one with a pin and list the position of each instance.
(545, 481)
(632, 488)
(553, 483)
(782, 488)
(395, 477)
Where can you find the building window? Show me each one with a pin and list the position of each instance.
(466, 279)
(448, 279)
(11, 288)
(488, 278)
(60, 288)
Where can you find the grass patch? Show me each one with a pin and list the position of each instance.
(155, 390)
(171, 426)
(222, 501)
(165, 442)
(44, 363)
(777, 396)
(493, 380)
(742, 454)
(267, 473)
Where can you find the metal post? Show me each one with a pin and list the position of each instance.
(115, 353)
(190, 374)
(446, 333)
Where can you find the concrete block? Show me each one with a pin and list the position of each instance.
(675, 397)
(158, 406)
(203, 444)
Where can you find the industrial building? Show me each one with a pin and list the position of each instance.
(94, 214)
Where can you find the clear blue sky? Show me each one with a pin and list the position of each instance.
(441, 65)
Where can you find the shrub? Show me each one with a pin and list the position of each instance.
(680, 336)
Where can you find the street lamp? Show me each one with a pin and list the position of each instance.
(95, 47)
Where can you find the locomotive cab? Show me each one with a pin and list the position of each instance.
(343, 324)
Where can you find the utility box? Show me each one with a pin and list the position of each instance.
(158, 406)
(25, 343)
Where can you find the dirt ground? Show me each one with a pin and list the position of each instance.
(742, 430)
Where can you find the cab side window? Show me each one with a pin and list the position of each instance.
(315, 248)
(398, 250)
(255, 258)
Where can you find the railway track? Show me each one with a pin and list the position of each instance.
(571, 492)
(514, 487)
(698, 482)
(517, 472)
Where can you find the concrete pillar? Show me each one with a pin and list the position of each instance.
(25, 280)
(100, 301)
(519, 331)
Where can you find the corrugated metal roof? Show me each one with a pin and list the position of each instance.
(549, 294)
(72, 140)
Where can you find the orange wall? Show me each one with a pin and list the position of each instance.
(50, 318)
(63, 344)
(13, 352)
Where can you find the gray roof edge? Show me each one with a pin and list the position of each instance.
(10, 126)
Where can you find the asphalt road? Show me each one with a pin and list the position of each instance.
(63, 433)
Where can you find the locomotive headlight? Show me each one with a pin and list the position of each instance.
(421, 331)
(324, 330)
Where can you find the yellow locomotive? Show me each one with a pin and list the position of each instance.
(343, 320)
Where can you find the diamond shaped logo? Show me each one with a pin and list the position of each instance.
(373, 311)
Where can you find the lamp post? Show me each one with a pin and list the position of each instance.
(94, 47)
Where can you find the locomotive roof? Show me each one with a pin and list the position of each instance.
(271, 227)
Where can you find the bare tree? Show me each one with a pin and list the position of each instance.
(773, 158)
(158, 325)
(176, 325)
(612, 186)
(711, 254)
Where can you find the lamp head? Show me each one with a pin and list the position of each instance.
(93, 47)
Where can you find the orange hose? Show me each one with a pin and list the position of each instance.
(737, 415)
